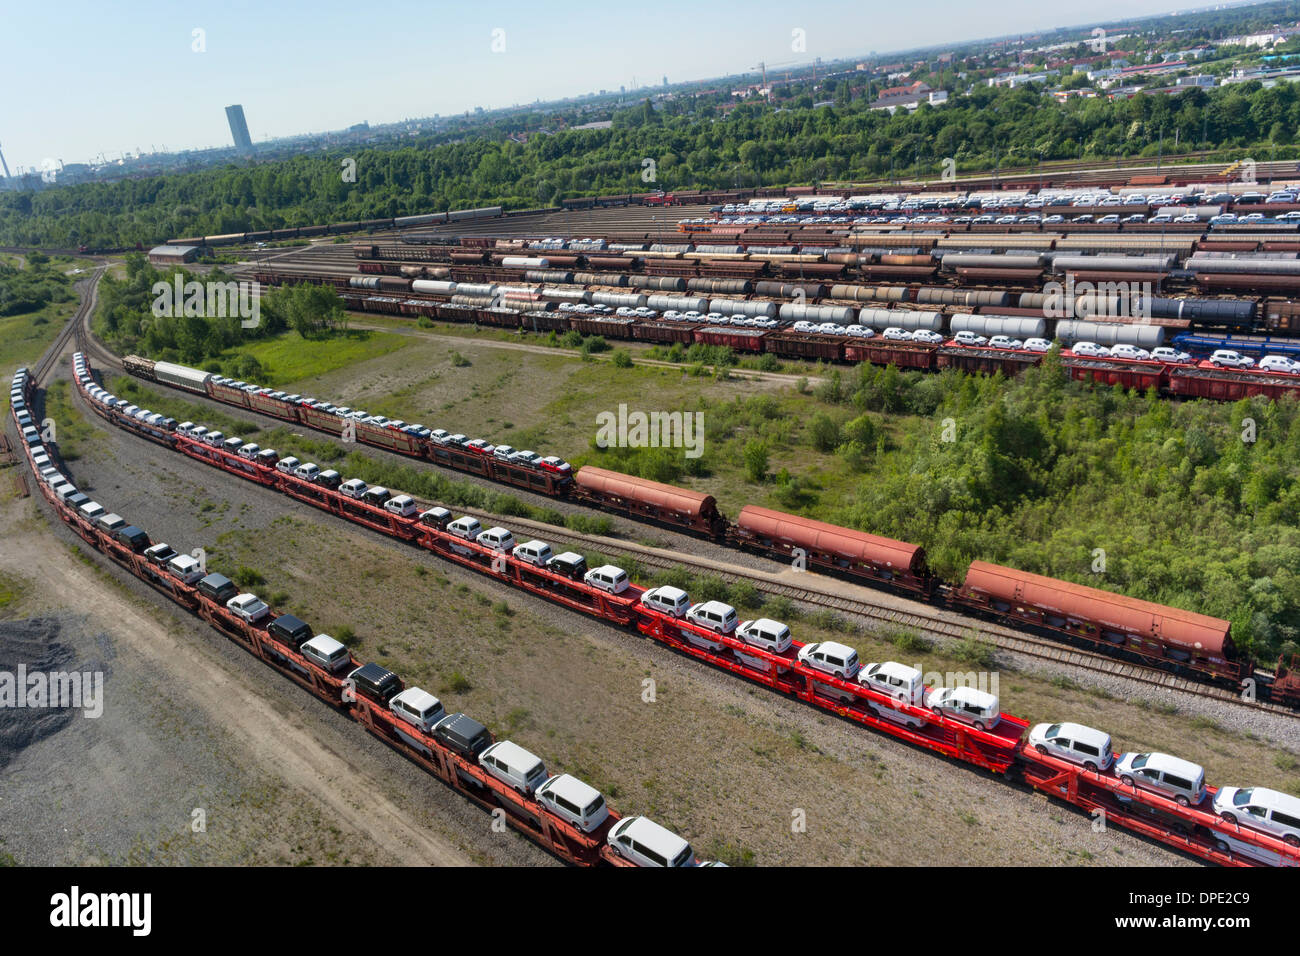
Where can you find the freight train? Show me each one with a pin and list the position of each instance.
(926, 335)
(451, 746)
(342, 228)
(1190, 825)
(1123, 627)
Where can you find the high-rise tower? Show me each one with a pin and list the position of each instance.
(239, 128)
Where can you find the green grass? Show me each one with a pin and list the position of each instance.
(23, 338)
(290, 358)
(72, 429)
(11, 591)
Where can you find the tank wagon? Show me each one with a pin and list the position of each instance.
(1125, 627)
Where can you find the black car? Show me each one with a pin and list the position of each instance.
(218, 588)
(463, 735)
(569, 564)
(289, 630)
(376, 683)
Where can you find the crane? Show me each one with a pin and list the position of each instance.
(761, 66)
(4, 164)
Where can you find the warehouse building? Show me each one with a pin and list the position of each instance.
(172, 255)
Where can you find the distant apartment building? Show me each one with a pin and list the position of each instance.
(238, 127)
(909, 97)
(898, 95)
(1020, 79)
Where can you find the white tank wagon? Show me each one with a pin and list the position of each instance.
(682, 303)
(630, 300)
(476, 289)
(1070, 331)
(566, 295)
(1016, 326)
(909, 319)
(1141, 263)
(1250, 266)
(434, 286)
(182, 376)
(840, 314)
(750, 307)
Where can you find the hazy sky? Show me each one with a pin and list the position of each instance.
(83, 77)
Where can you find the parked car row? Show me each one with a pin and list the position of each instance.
(971, 339)
(637, 839)
(1172, 777)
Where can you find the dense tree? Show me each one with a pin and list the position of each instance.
(755, 144)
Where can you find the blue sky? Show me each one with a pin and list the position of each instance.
(84, 77)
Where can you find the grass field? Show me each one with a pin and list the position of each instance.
(291, 358)
(23, 338)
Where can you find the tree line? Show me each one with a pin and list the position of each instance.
(751, 145)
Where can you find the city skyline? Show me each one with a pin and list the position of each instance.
(178, 74)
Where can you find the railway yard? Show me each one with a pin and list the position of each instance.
(508, 640)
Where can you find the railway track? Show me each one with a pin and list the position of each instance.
(824, 593)
(938, 623)
(827, 594)
(88, 289)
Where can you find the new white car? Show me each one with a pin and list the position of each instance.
(1279, 363)
(895, 334)
(829, 657)
(248, 607)
(1091, 349)
(1075, 743)
(1172, 777)
(1125, 351)
(969, 705)
(1005, 342)
(1227, 358)
(1261, 808)
(926, 335)
(1166, 354)
(1037, 345)
(966, 337)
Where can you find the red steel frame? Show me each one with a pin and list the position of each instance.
(997, 750)
(523, 814)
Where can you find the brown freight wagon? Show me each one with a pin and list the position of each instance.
(683, 332)
(825, 271)
(832, 548)
(1150, 631)
(810, 345)
(1139, 375)
(1213, 282)
(738, 340)
(903, 273)
(545, 321)
(642, 498)
(986, 360)
(1229, 385)
(1004, 276)
(611, 327)
(902, 354)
